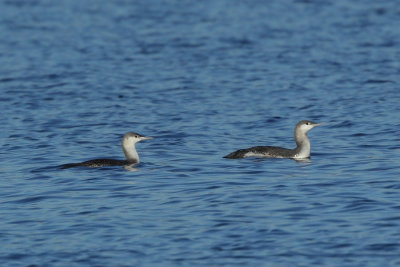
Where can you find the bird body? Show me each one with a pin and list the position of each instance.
(128, 146)
(302, 150)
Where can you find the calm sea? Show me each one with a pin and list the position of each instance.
(204, 78)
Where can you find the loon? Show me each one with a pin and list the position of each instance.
(128, 146)
(302, 151)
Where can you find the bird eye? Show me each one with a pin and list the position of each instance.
(308, 123)
(137, 136)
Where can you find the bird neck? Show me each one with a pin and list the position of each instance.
(303, 148)
(131, 153)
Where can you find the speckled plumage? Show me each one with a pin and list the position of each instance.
(99, 163)
(266, 151)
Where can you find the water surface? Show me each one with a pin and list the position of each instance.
(204, 78)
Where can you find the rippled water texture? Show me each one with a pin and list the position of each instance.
(204, 78)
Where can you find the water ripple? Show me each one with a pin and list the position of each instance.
(204, 79)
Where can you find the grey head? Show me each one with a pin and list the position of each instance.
(135, 137)
(302, 127)
(128, 145)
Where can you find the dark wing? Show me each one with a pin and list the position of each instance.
(262, 151)
(98, 163)
(237, 154)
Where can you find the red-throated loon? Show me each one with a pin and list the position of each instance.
(302, 151)
(128, 146)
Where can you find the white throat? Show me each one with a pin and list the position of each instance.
(303, 149)
(128, 146)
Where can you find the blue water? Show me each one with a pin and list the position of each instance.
(204, 78)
